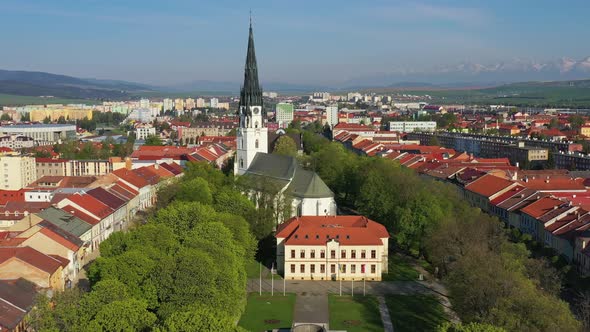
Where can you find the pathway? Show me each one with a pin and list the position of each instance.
(385, 317)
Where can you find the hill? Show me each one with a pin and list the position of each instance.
(28, 83)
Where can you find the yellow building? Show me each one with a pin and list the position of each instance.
(38, 115)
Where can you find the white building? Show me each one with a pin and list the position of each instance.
(332, 115)
(42, 133)
(144, 103)
(144, 131)
(410, 126)
(143, 115)
(214, 103)
(200, 102)
(16, 142)
(332, 248)
(17, 172)
(284, 114)
(320, 96)
(168, 104)
(310, 194)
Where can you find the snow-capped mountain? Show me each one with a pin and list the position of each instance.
(515, 70)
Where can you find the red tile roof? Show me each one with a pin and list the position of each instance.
(131, 177)
(542, 206)
(31, 256)
(488, 185)
(317, 230)
(91, 204)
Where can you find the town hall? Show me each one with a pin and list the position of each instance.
(310, 195)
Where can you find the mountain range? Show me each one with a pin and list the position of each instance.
(466, 74)
(461, 75)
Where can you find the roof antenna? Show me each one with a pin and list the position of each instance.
(250, 17)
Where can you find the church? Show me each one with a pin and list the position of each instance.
(310, 195)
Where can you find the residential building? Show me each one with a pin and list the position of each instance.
(189, 103)
(214, 103)
(17, 298)
(142, 132)
(332, 115)
(16, 142)
(45, 271)
(17, 172)
(284, 114)
(168, 104)
(332, 248)
(200, 103)
(65, 167)
(411, 126)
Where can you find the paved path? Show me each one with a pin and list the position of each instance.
(385, 317)
(311, 308)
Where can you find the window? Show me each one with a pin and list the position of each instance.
(312, 268)
(373, 254)
(241, 163)
(333, 268)
(302, 254)
(256, 144)
(333, 254)
(302, 268)
(363, 254)
(322, 253)
(322, 268)
(353, 254)
(312, 253)
(353, 268)
(292, 253)
(343, 267)
(292, 268)
(373, 268)
(342, 253)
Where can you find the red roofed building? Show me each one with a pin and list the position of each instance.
(45, 271)
(486, 188)
(332, 248)
(147, 192)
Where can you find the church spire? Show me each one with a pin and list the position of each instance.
(251, 94)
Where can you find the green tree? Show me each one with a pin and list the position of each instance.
(576, 122)
(285, 146)
(195, 190)
(153, 140)
(61, 120)
(434, 141)
(5, 117)
(199, 319)
(126, 315)
(471, 327)
(47, 120)
(25, 117)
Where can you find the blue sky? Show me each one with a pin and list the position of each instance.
(302, 41)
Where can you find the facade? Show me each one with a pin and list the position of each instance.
(25, 262)
(205, 129)
(64, 167)
(332, 115)
(214, 103)
(284, 114)
(332, 248)
(410, 126)
(42, 133)
(17, 172)
(168, 104)
(16, 142)
(143, 132)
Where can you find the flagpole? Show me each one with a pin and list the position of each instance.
(284, 284)
(260, 283)
(272, 280)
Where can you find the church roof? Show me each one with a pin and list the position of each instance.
(273, 165)
(284, 170)
(251, 93)
(307, 184)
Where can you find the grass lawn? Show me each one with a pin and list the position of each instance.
(268, 312)
(415, 312)
(400, 269)
(358, 313)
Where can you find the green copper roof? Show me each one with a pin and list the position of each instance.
(251, 93)
(307, 184)
(65, 221)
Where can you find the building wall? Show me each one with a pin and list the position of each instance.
(334, 267)
(325, 206)
(46, 245)
(13, 269)
(17, 172)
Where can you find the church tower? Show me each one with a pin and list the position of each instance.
(252, 135)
